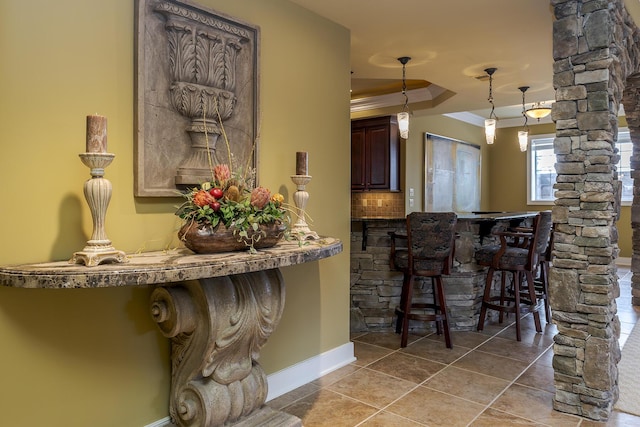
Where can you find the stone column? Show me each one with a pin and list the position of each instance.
(593, 45)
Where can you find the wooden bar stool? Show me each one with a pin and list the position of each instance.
(429, 251)
(519, 253)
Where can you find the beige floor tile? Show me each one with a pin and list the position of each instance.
(434, 408)
(528, 332)
(368, 353)
(538, 376)
(492, 327)
(617, 419)
(533, 404)
(513, 349)
(326, 408)
(629, 315)
(455, 384)
(467, 384)
(546, 358)
(493, 418)
(435, 350)
(622, 340)
(491, 364)
(386, 419)
(389, 340)
(407, 367)
(469, 339)
(288, 398)
(372, 387)
(336, 375)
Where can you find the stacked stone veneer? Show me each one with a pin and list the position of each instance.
(595, 51)
(376, 288)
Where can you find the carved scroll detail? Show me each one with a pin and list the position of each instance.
(217, 327)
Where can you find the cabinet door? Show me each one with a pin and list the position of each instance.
(358, 159)
(378, 158)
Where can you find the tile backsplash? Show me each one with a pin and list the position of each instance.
(372, 204)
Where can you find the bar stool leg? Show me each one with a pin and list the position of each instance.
(443, 312)
(436, 304)
(485, 299)
(406, 311)
(503, 291)
(544, 277)
(403, 300)
(534, 301)
(517, 285)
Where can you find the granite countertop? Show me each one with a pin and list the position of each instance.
(483, 216)
(378, 218)
(496, 216)
(160, 267)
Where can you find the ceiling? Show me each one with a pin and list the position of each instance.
(451, 43)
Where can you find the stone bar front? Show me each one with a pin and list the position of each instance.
(218, 310)
(376, 288)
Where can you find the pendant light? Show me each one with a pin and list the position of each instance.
(538, 111)
(490, 123)
(523, 135)
(403, 116)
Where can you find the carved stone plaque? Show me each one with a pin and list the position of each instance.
(195, 70)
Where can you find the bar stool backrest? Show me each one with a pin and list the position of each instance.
(431, 242)
(543, 231)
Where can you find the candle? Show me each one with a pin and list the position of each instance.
(302, 163)
(96, 134)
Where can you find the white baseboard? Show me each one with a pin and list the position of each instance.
(165, 422)
(290, 378)
(623, 261)
(297, 375)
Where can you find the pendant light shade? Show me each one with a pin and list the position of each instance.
(523, 140)
(403, 124)
(523, 135)
(490, 123)
(403, 116)
(538, 111)
(490, 130)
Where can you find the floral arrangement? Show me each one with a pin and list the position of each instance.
(230, 199)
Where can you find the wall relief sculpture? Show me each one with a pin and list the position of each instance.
(195, 68)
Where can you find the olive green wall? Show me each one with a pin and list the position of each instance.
(80, 357)
(508, 180)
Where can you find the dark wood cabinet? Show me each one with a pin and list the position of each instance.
(375, 154)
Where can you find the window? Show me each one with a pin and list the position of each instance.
(541, 172)
(625, 147)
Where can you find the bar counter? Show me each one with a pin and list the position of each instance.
(376, 288)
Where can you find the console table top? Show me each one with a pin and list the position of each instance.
(176, 265)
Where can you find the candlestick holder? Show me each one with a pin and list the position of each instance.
(97, 191)
(300, 229)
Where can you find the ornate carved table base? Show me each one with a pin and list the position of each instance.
(217, 327)
(217, 309)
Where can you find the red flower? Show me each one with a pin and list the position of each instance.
(203, 198)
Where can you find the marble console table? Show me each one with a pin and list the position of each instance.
(218, 310)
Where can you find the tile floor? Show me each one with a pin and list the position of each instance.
(487, 379)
